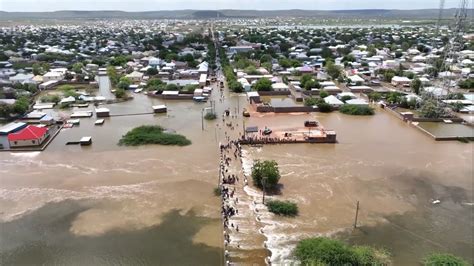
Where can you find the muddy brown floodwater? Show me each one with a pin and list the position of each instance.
(394, 171)
(107, 204)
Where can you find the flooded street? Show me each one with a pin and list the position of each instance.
(393, 170)
(86, 205)
(104, 87)
(108, 204)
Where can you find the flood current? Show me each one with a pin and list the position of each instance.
(108, 204)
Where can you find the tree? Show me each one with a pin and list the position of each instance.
(251, 70)
(113, 75)
(431, 109)
(266, 58)
(268, 66)
(416, 85)
(326, 53)
(172, 87)
(124, 83)
(375, 96)
(151, 71)
(310, 101)
(305, 78)
(324, 107)
(312, 84)
(444, 259)
(189, 88)
(77, 67)
(333, 70)
(456, 96)
(36, 69)
(153, 84)
(346, 98)
(354, 109)
(405, 46)
(394, 97)
(263, 84)
(284, 62)
(21, 105)
(119, 60)
(235, 86)
(171, 57)
(120, 93)
(466, 84)
(323, 94)
(5, 110)
(265, 172)
(388, 75)
(187, 58)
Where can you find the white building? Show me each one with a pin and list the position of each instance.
(52, 75)
(333, 101)
(402, 81)
(279, 86)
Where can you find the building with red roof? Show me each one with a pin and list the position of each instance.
(28, 136)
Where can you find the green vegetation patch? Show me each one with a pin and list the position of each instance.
(326, 251)
(444, 259)
(144, 135)
(352, 109)
(265, 174)
(210, 116)
(285, 208)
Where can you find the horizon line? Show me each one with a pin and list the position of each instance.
(225, 9)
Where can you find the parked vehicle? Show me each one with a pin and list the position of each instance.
(310, 123)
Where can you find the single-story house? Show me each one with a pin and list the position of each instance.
(327, 84)
(333, 101)
(345, 94)
(402, 81)
(47, 120)
(20, 78)
(253, 96)
(361, 89)
(52, 75)
(28, 136)
(67, 100)
(135, 76)
(279, 86)
(357, 102)
(355, 79)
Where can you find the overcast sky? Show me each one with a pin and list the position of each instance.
(148, 5)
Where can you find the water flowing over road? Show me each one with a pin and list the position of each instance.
(109, 204)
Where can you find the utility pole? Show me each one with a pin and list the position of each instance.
(263, 188)
(202, 119)
(357, 215)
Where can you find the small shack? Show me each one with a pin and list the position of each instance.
(102, 112)
(47, 120)
(202, 79)
(85, 141)
(160, 108)
(253, 97)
